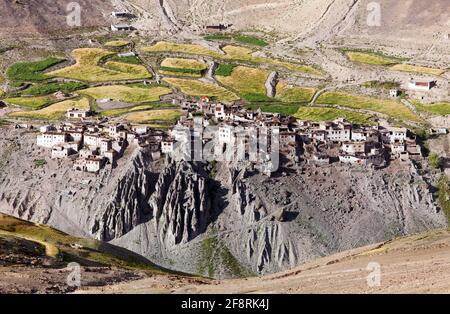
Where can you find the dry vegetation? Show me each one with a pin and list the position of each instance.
(128, 94)
(291, 93)
(231, 53)
(154, 116)
(198, 88)
(329, 114)
(87, 68)
(182, 67)
(417, 69)
(53, 112)
(117, 43)
(246, 81)
(392, 108)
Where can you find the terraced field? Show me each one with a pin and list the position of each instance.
(248, 82)
(231, 52)
(34, 103)
(182, 67)
(291, 93)
(154, 116)
(117, 43)
(87, 68)
(31, 71)
(53, 112)
(129, 94)
(372, 58)
(197, 88)
(144, 107)
(391, 108)
(329, 114)
(46, 89)
(439, 109)
(417, 69)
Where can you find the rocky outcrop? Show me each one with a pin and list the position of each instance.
(167, 210)
(186, 209)
(128, 204)
(271, 84)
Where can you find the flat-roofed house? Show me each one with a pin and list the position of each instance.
(392, 134)
(94, 164)
(91, 140)
(353, 147)
(121, 15)
(140, 129)
(339, 134)
(397, 149)
(75, 113)
(110, 155)
(121, 27)
(50, 139)
(75, 136)
(104, 144)
(167, 146)
(421, 86)
(225, 134)
(59, 152)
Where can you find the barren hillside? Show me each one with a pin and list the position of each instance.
(31, 17)
(311, 21)
(415, 264)
(302, 21)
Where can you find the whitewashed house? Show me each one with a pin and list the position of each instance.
(421, 86)
(50, 139)
(75, 113)
(167, 147)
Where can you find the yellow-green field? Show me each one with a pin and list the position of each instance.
(122, 111)
(245, 81)
(371, 58)
(117, 43)
(392, 108)
(87, 68)
(53, 112)
(37, 102)
(236, 53)
(198, 88)
(183, 63)
(128, 94)
(182, 67)
(58, 244)
(330, 114)
(152, 116)
(440, 109)
(417, 69)
(290, 93)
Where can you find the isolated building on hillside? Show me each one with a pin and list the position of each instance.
(122, 15)
(421, 86)
(121, 27)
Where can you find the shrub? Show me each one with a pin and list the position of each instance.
(434, 161)
(40, 162)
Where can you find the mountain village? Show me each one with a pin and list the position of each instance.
(91, 143)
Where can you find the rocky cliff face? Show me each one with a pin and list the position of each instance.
(224, 218)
